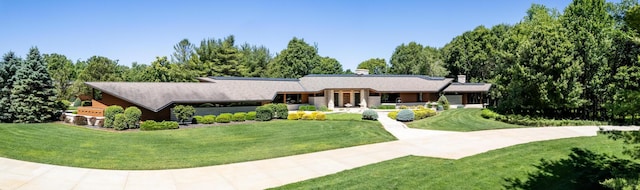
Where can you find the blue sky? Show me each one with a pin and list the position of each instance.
(350, 31)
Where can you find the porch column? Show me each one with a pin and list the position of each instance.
(363, 98)
(340, 98)
(284, 98)
(352, 98)
(331, 100)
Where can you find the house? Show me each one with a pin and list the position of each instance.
(232, 94)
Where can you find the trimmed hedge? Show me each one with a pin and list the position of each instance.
(120, 123)
(323, 108)
(369, 115)
(405, 115)
(110, 114)
(151, 125)
(224, 118)
(264, 113)
(423, 113)
(293, 116)
(321, 116)
(208, 119)
(387, 107)
(251, 116)
(282, 111)
(197, 119)
(535, 121)
(308, 116)
(239, 116)
(307, 108)
(300, 113)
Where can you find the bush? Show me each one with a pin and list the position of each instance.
(77, 102)
(405, 115)
(151, 125)
(300, 113)
(208, 119)
(74, 112)
(393, 115)
(79, 120)
(183, 113)
(132, 117)
(282, 111)
(311, 108)
(321, 116)
(387, 107)
(66, 103)
(488, 114)
(92, 121)
(224, 118)
(119, 122)
(239, 116)
(293, 116)
(323, 108)
(308, 116)
(403, 107)
(273, 109)
(369, 115)
(251, 116)
(206, 105)
(110, 115)
(302, 108)
(444, 102)
(419, 114)
(197, 119)
(264, 113)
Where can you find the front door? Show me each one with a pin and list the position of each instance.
(357, 95)
(346, 98)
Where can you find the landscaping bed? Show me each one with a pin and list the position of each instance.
(467, 119)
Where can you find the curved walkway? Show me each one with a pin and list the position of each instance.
(261, 174)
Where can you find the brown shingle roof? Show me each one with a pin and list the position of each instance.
(381, 83)
(468, 87)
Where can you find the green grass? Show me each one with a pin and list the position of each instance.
(483, 171)
(81, 147)
(344, 116)
(460, 120)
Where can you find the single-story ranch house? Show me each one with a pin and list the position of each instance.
(233, 94)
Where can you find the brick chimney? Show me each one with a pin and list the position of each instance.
(462, 78)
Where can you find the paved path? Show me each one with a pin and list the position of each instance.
(15, 174)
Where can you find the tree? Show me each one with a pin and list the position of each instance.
(254, 60)
(8, 68)
(632, 18)
(33, 94)
(434, 63)
(475, 53)
(406, 58)
(182, 52)
(98, 69)
(327, 65)
(375, 66)
(62, 73)
(217, 58)
(297, 60)
(183, 113)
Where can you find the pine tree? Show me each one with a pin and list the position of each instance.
(8, 67)
(33, 94)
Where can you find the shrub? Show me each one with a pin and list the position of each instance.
(264, 113)
(307, 116)
(302, 108)
(74, 112)
(430, 112)
(119, 122)
(239, 116)
(273, 109)
(110, 115)
(77, 102)
(488, 114)
(311, 108)
(66, 103)
(183, 113)
(92, 121)
(323, 108)
(208, 119)
(419, 114)
(282, 111)
(151, 125)
(224, 118)
(79, 120)
(369, 115)
(403, 107)
(387, 107)
(293, 116)
(420, 107)
(321, 116)
(196, 119)
(444, 102)
(251, 116)
(206, 105)
(300, 114)
(132, 117)
(393, 115)
(405, 115)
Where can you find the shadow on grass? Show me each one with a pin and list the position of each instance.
(582, 170)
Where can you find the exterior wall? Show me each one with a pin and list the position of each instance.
(304, 98)
(430, 97)
(409, 97)
(373, 101)
(109, 100)
(318, 101)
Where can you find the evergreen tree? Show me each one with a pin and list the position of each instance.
(8, 67)
(33, 95)
(254, 60)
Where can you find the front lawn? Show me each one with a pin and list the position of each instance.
(468, 119)
(483, 171)
(81, 147)
(344, 116)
